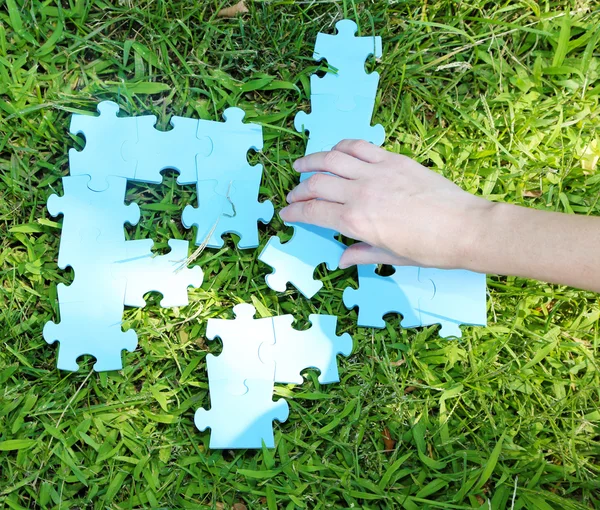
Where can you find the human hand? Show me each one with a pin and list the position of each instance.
(404, 213)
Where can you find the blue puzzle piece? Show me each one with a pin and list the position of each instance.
(158, 150)
(145, 271)
(87, 211)
(460, 298)
(91, 311)
(378, 295)
(241, 421)
(242, 338)
(231, 141)
(296, 260)
(237, 213)
(295, 351)
(105, 135)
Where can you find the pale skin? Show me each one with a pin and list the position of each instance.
(405, 214)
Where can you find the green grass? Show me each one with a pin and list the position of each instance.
(500, 97)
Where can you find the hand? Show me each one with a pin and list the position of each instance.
(404, 213)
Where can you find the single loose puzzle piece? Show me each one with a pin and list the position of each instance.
(158, 150)
(228, 160)
(241, 421)
(105, 136)
(240, 213)
(168, 274)
(460, 298)
(242, 338)
(87, 211)
(317, 347)
(296, 260)
(376, 296)
(346, 55)
(90, 323)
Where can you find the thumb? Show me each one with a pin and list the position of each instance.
(363, 253)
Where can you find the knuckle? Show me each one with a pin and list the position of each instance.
(353, 220)
(313, 183)
(311, 209)
(331, 158)
(358, 145)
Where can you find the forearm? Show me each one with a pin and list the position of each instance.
(547, 246)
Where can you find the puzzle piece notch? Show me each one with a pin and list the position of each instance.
(241, 421)
(459, 298)
(238, 213)
(295, 351)
(376, 296)
(242, 338)
(296, 260)
(85, 210)
(345, 51)
(228, 161)
(91, 311)
(105, 136)
(167, 274)
(158, 150)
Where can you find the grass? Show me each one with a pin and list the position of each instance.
(500, 97)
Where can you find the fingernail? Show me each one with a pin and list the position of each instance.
(295, 165)
(287, 198)
(282, 212)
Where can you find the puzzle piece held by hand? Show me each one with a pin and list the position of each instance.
(242, 421)
(295, 351)
(296, 260)
(376, 296)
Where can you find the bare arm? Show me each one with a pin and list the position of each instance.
(403, 213)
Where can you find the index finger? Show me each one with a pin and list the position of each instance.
(333, 161)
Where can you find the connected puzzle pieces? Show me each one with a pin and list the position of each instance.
(423, 296)
(257, 353)
(342, 105)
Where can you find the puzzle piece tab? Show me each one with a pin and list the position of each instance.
(105, 136)
(91, 313)
(145, 272)
(240, 212)
(376, 296)
(460, 298)
(296, 260)
(242, 338)
(295, 351)
(242, 421)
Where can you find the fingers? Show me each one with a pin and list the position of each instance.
(316, 212)
(335, 162)
(362, 150)
(363, 253)
(323, 186)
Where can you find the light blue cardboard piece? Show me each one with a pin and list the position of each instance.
(296, 260)
(237, 213)
(295, 351)
(105, 135)
(460, 298)
(145, 272)
(86, 211)
(377, 296)
(228, 160)
(158, 150)
(242, 421)
(242, 338)
(90, 323)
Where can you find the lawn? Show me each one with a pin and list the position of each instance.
(500, 97)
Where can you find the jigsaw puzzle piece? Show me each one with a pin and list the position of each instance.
(91, 311)
(88, 211)
(240, 213)
(231, 141)
(145, 272)
(459, 298)
(296, 260)
(157, 150)
(346, 52)
(241, 421)
(295, 351)
(105, 136)
(346, 90)
(378, 295)
(242, 338)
